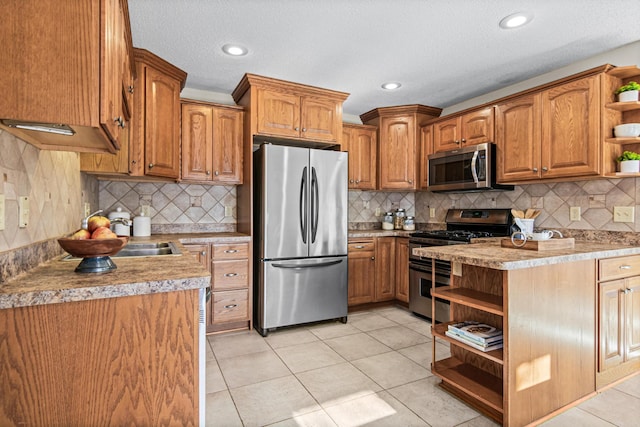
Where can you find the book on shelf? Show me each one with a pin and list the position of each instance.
(476, 331)
(463, 339)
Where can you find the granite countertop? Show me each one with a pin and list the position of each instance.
(489, 253)
(56, 282)
(379, 233)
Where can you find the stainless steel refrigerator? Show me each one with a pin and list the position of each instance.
(300, 209)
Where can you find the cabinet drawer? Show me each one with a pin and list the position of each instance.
(230, 274)
(230, 306)
(617, 268)
(229, 250)
(362, 246)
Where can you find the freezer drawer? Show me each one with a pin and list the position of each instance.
(291, 292)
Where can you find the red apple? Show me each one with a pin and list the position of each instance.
(81, 234)
(103, 233)
(97, 221)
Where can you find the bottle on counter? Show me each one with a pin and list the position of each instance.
(387, 221)
(409, 224)
(398, 219)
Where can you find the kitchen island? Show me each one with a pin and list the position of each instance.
(119, 348)
(556, 325)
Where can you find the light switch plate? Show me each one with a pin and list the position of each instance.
(574, 213)
(623, 213)
(1, 211)
(228, 211)
(87, 209)
(23, 211)
(432, 212)
(145, 210)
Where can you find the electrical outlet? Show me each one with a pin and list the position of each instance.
(228, 211)
(574, 213)
(623, 213)
(432, 212)
(365, 204)
(87, 209)
(1, 211)
(23, 211)
(145, 210)
(378, 211)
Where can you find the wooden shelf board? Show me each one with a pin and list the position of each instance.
(625, 72)
(473, 382)
(471, 298)
(494, 355)
(629, 140)
(623, 106)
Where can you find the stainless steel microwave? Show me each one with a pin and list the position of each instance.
(471, 168)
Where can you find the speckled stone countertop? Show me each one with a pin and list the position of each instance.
(56, 282)
(489, 253)
(378, 233)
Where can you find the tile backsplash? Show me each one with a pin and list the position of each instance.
(54, 185)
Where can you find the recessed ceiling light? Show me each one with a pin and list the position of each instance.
(515, 20)
(391, 85)
(234, 50)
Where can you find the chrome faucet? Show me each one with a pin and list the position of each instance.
(85, 221)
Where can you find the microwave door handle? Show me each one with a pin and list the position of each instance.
(474, 161)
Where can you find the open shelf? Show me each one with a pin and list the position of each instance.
(472, 381)
(471, 298)
(624, 106)
(621, 141)
(494, 355)
(625, 72)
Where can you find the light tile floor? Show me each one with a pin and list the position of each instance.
(372, 371)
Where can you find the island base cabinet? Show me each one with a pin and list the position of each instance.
(117, 361)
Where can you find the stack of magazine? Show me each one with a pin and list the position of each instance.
(477, 335)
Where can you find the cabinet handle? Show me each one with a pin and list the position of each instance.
(150, 165)
(119, 121)
(625, 291)
(230, 251)
(535, 169)
(359, 247)
(630, 290)
(625, 267)
(544, 169)
(231, 306)
(131, 89)
(208, 172)
(231, 275)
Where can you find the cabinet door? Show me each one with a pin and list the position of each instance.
(111, 114)
(426, 148)
(446, 135)
(571, 129)
(611, 316)
(162, 124)
(227, 146)
(397, 153)
(385, 268)
(202, 254)
(632, 314)
(320, 118)
(197, 142)
(278, 113)
(362, 159)
(361, 263)
(477, 127)
(402, 269)
(518, 139)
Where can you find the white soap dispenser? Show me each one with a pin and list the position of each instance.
(141, 226)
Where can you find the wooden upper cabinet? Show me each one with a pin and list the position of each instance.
(360, 141)
(399, 150)
(472, 128)
(211, 143)
(426, 148)
(553, 133)
(66, 71)
(291, 110)
(157, 117)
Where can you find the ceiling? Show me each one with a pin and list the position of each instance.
(441, 51)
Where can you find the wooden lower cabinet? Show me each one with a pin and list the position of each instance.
(619, 319)
(547, 317)
(361, 263)
(402, 269)
(129, 360)
(385, 282)
(229, 306)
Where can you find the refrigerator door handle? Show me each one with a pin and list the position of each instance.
(315, 204)
(303, 205)
(298, 266)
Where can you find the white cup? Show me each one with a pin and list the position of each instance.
(519, 238)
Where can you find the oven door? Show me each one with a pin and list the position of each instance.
(463, 169)
(420, 279)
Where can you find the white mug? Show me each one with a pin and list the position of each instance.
(518, 238)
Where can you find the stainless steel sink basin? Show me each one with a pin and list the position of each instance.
(148, 249)
(136, 249)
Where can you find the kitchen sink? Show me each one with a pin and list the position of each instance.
(142, 250)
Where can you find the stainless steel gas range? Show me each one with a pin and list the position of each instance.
(463, 225)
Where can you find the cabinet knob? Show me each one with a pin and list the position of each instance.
(131, 89)
(216, 173)
(351, 181)
(457, 142)
(410, 181)
(304, 129)
(150, 165)
(535, 169)
(357, 181)
(297, 128)
(464, 140)
(203, 253)
(119, 121)
(208, 172)
(231, 306)
(373, 258)
(544, 169)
